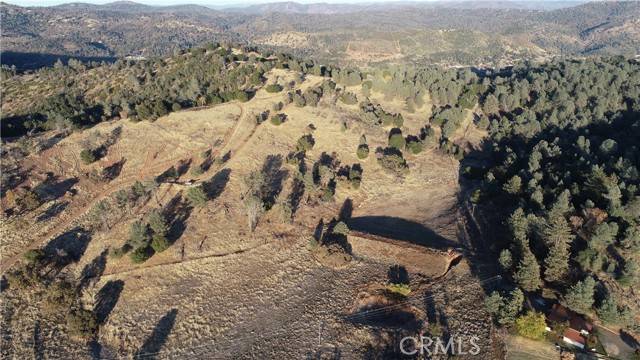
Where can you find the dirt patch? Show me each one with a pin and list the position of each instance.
(416, 259)
(377, 306)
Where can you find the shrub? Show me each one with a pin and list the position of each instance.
(355, 176)
(261, 117)
(294, 158)
(285, 211)
(59, 297)
(476, 196)
(305, 143)
(140, 255)
(401, 289)
(87, 156)
(278, 106)
(28, 201)
(349, 98)
(312, 96)
(363, 151)
(34, 256)
(213, 99)
(255, 207)
(313, 243)
(396, 120)
(396, 140)
(159, 243)
(82, 323)
(138, 234)
(24, 278)
(391, 159)
(197, 196)
(341, 228)
(415, 146)
(196, 170)
(327, 193)
(299, 100)
(273, 88)
(241, 96)
(531, 325)
(117, 253)
(278, 119)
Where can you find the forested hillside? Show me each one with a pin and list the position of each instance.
(444, 33)
(80, 95)
(564, 176)
(526, 176)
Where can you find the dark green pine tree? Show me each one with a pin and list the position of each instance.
(527, 275)
(579, 297)
(557, 262)
(557, 235)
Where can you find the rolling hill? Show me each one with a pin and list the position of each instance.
(456, 33)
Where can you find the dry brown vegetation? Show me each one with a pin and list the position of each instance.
(220, 287)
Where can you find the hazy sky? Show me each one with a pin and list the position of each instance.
(199, 2)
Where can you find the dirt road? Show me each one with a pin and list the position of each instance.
(149, 169)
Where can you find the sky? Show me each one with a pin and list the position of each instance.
(230, 3)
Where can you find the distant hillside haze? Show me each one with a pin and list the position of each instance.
(325, 8)
(449, 33)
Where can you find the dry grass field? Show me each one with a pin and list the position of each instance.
(220, 290)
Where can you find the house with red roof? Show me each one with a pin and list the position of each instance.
(578, 327)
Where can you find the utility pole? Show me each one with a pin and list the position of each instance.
(320, 327)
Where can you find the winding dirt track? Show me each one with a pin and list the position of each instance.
(229, 145)
(148, 169)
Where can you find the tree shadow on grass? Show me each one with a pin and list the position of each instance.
(170, 209)
(399, 318)
(216, 185)
(399, 229)
(53, 140)
(398, 274)
(53, 211)
(38, 344)
(68, 247)
(346, 211)
(629, 340)
(430, 306)
(183, 167)
(295, 197)
(94, 269)
(113, 171)
(226, 156)
(205, 165)
(274, 176)
(106, 299)
(158, 337)
(178, 221)
(52, 189)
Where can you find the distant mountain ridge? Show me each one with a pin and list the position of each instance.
(336, 8)
(131, 6)
(457, 32)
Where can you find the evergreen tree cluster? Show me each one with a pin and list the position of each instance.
(564, 177)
